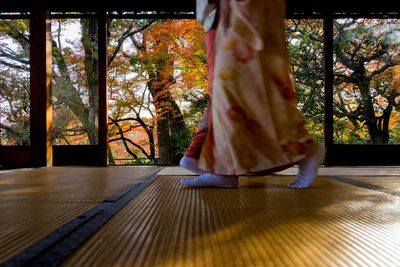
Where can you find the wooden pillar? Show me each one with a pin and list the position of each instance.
(41, 74)
(103, 101)
(328, 74)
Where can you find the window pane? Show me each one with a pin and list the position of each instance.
(157, 75)
(366, 81)
(14, 82)
(305, 44)
(75, 81)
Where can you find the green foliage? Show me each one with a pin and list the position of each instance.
(305, 45)
(141, 161)
(202, 58)
(181, 139)
(194, 113)
(395, 134)
(343, 135)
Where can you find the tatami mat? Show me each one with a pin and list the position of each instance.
(36, 202)
(22, 224)
(67, 184)
(262, 223)
(354, 171)
(392, 182)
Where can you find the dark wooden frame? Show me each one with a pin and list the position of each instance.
(90, 155)
(352, 154)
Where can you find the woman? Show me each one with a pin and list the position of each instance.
(255, 125)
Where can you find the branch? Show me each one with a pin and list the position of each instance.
(125, 140)
(341, 78)
(13, 66)
(9, 130)
(391, 63)
(19, 58)
(125, 35)
(115, 121)
(15, 33)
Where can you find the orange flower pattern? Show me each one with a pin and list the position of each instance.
(243, 54)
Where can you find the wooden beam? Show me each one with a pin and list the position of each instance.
(293, 6)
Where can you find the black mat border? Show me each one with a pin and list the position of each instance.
(362, 184)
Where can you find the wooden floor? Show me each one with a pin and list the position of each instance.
(142, 216)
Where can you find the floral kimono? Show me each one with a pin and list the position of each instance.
(255, 125)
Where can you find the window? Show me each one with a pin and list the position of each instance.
(156, 77)
(306, 46)
(75, 85)
(366, 81)
(14, 82)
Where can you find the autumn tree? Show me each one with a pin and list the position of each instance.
(151, 67)
(365, 56)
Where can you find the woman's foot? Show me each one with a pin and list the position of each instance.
(308, 168)
(212, 180)
(190, 164)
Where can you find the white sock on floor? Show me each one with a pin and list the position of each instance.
(190, 164)
(212, 180)
(308, 168)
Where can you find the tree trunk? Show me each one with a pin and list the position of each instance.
(91, 62)
(369, 112)
(172, 131)
(111, 160)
